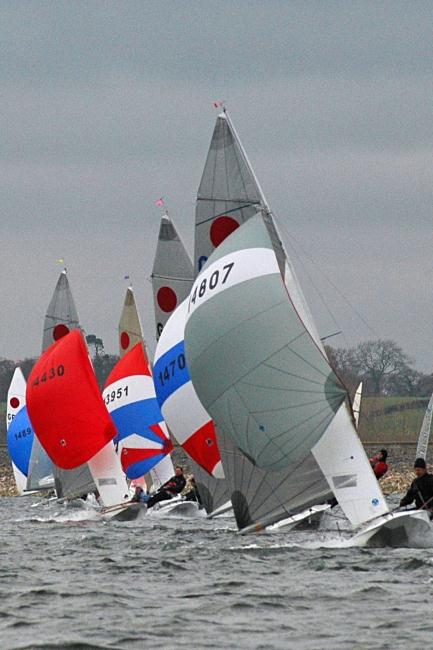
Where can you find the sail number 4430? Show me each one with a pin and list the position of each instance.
(212, 281)
(52, 373)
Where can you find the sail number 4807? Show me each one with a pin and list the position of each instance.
(52, 373)
(212, 282)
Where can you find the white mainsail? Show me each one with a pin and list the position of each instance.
(356, 404)
(424, 434)
(172, 273)
(267, 384)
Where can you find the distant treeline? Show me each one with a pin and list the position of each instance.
(383, 367)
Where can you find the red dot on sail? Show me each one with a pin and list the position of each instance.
(166, 298)
(221, 228)
(59, 331)
(124, 340)
(14, 402)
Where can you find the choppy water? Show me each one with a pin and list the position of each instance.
(176, 583)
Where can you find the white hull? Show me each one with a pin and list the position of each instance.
(177, 507)
(123, 511)
(310, 515)
(396, 529)
(225, 509)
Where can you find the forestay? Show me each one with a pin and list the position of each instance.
(172, 273)
(261, 375)
(130, 397)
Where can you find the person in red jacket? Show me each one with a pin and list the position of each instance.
(378, 463)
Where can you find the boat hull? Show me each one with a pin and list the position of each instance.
(396, 529)
(123, 512)
(180, 508)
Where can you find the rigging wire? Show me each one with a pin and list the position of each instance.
(295, 245)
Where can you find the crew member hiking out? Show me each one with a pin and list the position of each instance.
(421, 489)
(173, 486)
(378, 464)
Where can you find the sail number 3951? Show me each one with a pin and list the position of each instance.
(210, 283)
(52, 373)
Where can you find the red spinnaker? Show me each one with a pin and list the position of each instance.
(65, 405)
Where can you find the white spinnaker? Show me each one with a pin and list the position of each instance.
(16, 400)
(343, 461)
(424, 434)
(356, 404)
(108, 476)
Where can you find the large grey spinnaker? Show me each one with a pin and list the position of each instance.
(424, 434)
(262, 377)
(172, 273)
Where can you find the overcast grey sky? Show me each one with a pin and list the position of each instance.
(106, 106)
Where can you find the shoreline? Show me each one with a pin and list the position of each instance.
(397, 480)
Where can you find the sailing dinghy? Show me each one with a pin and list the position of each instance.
(131, 333)
(269, 387)
(173, 276)
(60, 319)
(71, 421)
(19, 431)
(188, 421)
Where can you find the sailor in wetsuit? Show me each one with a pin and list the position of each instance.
(139, 495)
(173, 486)
(192, 494)
(421, 489)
